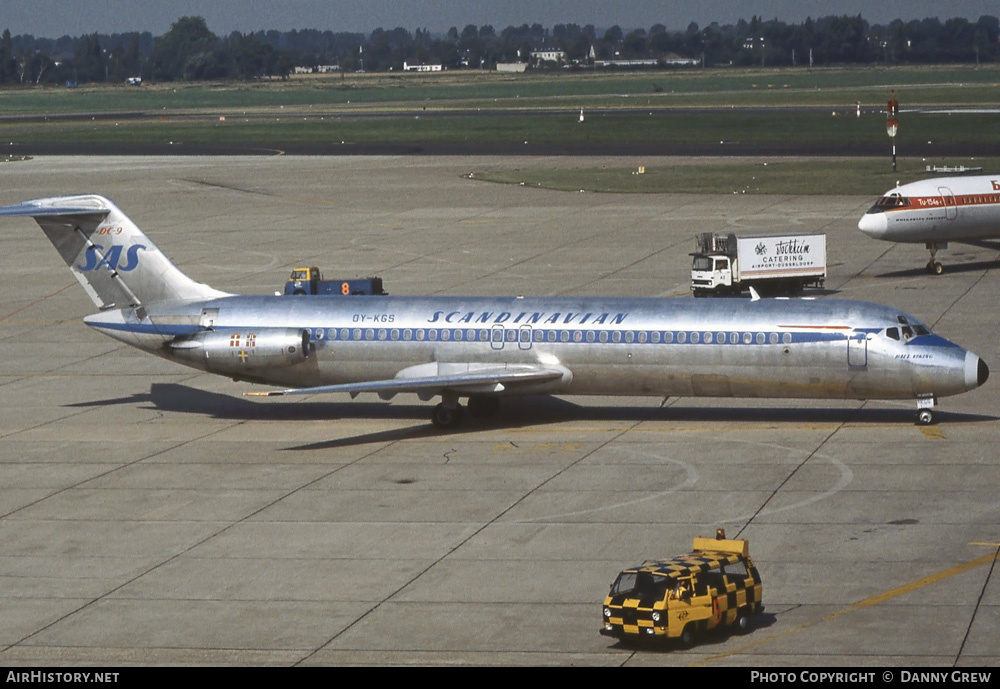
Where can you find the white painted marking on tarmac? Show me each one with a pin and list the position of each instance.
(690, 479)
(846, 477)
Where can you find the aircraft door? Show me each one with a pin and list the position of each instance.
(948, 199)
(857, 350)
(524, 337)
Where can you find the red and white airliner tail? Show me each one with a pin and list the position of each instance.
(934, 212)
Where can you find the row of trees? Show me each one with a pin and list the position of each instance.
(190, 51)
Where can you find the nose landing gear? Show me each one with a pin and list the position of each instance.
(925, 411)
(933, 267)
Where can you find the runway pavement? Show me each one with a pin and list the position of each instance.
(149, 514)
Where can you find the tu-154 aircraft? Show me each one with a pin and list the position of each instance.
(934, 212)
(485, 348)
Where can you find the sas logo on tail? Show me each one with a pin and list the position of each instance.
(95, 259)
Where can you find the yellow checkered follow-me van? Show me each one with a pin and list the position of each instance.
(716, 585)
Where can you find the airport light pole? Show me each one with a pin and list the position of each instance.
(892, 124)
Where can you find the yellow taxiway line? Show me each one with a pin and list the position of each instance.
(870, 601)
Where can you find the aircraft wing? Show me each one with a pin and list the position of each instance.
(459, 378)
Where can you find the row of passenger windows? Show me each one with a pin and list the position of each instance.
(531, 335)
(897, 201)
(976, 199)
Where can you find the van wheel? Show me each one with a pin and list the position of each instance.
(687, 636)
(743, 622)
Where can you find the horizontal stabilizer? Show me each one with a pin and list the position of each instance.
(56, 208)
(492, 380)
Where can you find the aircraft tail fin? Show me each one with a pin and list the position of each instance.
(115, 262)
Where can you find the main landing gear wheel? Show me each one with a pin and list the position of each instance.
(925, 417)
(447, 417)
(934, 268)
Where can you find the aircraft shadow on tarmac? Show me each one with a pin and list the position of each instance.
(972, 267)
(515, 412)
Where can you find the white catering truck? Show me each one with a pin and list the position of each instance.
(726, 263)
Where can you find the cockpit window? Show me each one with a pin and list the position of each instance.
(892, 201)
(888, 202)
(907, 329)
(907, 332)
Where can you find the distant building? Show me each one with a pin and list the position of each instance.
(318, 69)
(407, 67)
(667, 59)
(511, 66)
(620, 62)
(549, 55)
(675, 59)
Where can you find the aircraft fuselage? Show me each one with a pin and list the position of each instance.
(664, 347)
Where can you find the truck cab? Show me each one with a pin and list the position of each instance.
(716, 585)
(303, 281)
(711, 274)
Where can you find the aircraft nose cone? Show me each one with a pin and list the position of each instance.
(873, 224)
(976, 371)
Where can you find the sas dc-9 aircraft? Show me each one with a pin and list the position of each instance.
(485, 348)
(933, 212)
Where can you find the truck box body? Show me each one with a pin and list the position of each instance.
(781, 256)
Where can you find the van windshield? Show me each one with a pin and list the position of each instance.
(702, 263)
(641, 584)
